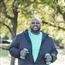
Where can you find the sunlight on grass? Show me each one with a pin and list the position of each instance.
(3, 53)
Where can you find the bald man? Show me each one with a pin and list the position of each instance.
(33, 47)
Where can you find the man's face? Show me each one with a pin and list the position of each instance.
(35, 25)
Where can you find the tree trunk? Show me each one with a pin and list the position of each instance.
(14, 28)
(64, 48)
(13, 20)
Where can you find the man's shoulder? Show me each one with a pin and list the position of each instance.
(22, 33)
(46, 34)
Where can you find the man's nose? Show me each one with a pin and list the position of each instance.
(36, 24)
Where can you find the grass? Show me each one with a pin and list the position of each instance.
(3, 53)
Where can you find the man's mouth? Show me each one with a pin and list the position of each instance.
(35, 27)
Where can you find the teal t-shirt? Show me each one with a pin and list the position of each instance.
(36, 43)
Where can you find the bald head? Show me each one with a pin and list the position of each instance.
(34, 18)
(35, 25)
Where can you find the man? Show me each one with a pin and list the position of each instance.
(33, 47)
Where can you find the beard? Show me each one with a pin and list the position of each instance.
(35, 30)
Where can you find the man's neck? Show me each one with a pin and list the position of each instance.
(35, 32)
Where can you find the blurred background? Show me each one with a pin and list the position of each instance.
(15, 16)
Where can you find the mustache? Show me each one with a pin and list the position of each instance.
(36, 26)
(35, 30)
(32, 28)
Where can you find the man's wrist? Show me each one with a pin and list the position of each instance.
(54, 57)
(22, 57)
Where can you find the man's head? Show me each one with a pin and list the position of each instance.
(35, 25)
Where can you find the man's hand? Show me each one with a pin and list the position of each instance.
(54, 57)
(48, 57)
(23, 53)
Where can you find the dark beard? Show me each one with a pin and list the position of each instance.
(35, 31)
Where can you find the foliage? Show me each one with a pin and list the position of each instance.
(51, 13)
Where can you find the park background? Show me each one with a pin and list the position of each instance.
(15, 16)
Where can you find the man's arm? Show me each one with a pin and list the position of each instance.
(53, 51)
(14, 48)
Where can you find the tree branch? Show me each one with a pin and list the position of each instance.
(6, 26)
(53, 25)
(14, 8)
(4, 9)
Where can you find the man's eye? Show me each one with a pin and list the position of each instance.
(35, 23)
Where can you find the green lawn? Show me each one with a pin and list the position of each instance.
(3, 53)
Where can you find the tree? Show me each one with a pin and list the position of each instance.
(13, 19)
(26, 8)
